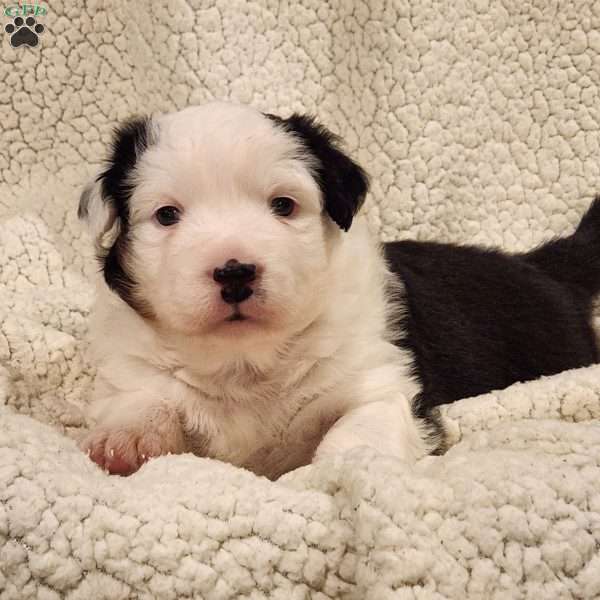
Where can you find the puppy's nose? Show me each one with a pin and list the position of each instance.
(235, 276)
(235, 273)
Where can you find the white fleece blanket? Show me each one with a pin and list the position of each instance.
(479, 122)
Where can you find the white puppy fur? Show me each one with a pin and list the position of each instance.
(309, 372)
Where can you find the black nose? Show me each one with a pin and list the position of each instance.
(235, 273)
(234, 277)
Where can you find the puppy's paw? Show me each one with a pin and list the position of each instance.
(121, 450)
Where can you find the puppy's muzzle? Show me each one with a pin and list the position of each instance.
(235, 277)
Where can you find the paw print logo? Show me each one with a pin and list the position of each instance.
(24, 32)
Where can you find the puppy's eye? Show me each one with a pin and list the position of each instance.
(167, 215)
(283, 206)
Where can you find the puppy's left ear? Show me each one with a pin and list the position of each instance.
(344, 184)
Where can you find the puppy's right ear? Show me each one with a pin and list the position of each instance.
(98, 212)
(104, 202)
(104, 205)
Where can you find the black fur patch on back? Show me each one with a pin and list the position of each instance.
(130, 140)
(479, 320)
(343, 183)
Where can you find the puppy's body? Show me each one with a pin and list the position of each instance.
(303, 367)
(244, 314)
(266, 405)
(479, 320)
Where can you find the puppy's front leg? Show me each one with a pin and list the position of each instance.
(132, 432)
(387, 426)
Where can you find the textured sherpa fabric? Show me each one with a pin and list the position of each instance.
(479, 122)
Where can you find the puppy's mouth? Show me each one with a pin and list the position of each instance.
(236, 315)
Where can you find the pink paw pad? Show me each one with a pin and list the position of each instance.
(123, 452)
(114, 453)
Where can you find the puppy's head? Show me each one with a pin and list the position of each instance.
(221, 220)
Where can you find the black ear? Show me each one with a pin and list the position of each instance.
(130, 141)
(105, 206)
(343, 183)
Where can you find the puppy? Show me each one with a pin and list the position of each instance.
(245, 313)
